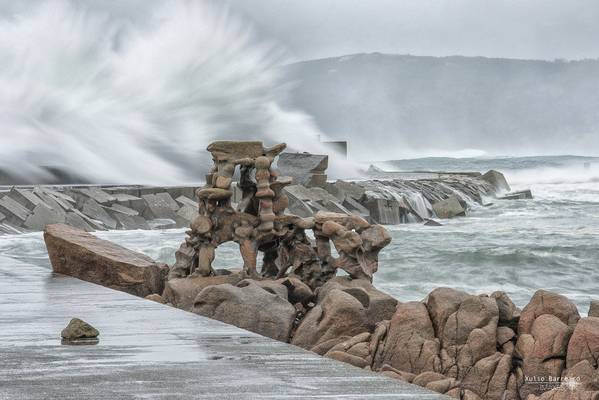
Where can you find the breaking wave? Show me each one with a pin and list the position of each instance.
(117, 101)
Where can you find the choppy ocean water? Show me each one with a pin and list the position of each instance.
(550, 242)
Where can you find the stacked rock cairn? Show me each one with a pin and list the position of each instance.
(259, 224)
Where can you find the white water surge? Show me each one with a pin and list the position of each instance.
(113, 101)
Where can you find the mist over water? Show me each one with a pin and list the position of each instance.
(114, 100)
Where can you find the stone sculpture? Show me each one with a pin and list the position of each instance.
(259, 224)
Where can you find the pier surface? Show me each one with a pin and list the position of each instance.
(152, 351)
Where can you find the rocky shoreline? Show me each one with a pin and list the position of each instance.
(466, 346)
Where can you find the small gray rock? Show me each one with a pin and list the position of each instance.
(78, 330)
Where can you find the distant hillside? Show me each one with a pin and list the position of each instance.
(395, 105)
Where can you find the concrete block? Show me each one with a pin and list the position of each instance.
(334, 206)
(355, 207)
(162, 223)
(14, 212)
(9, 229)
(130, 222)
(93, 210)
(521, 195)
(119, 209)
(96, 225)
(497, 179)
(449, 208)
(76, 221)
(167, 199)
(384, 211)
(122, 190)
(186, 201)
(299, 208)
(178, 191)
(98, 195)
(302, 166)
(52, 202)
(315, 206)
(43, 216)
(149, 190)
(157, 208)
(2, 217)
(186, 214)
(25, 197)
(133, 202)
(60, 195)
(64, 204)
(348, 189)
(317, 180)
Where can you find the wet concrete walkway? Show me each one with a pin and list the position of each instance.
(152, 351)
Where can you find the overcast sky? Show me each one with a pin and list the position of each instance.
(538, 29)
(308, 29)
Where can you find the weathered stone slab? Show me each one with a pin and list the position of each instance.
(76, 253)
(95, 211)
(157, 208)
(15, 213)
(42, 216)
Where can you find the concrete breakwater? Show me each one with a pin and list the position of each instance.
(393, 198)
